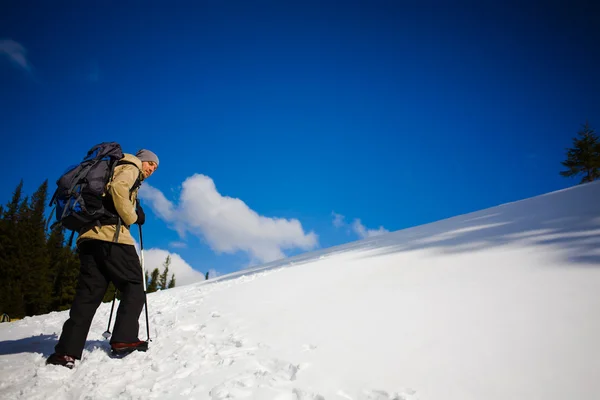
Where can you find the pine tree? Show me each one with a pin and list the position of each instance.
(153, 285)
(3, 264)
(36, 272)
(39, 272)
(584, 156)
(172, 282)
(56, 260)
(10, 214)
(10, 264)
(63, 270)
(163, 283)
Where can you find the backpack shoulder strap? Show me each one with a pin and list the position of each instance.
(138, 181)
(136, 185)
(125, 162)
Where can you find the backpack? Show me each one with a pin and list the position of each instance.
(81, 189)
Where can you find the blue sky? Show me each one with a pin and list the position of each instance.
(269, 117)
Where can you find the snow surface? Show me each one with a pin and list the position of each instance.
(499, 304)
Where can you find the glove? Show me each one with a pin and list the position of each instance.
(141, 216)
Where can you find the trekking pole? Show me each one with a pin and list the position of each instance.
(107, 334)
(144, 280)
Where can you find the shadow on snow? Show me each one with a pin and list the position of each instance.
(568, 220)
(43, 344)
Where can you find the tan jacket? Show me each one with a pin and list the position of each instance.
(119, 187)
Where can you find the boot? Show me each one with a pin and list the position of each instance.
(61, 359)
(122, 349)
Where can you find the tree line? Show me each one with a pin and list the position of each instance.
(39, 269)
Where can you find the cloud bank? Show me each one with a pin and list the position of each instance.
(227, 224)
(16, 53)
(184, 273)
(154, 258)
(364, 232)
(357, 226)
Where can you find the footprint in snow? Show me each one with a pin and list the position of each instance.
(309, 347)
(273, 373)
(302, 395)
(237, 390)
(194, 327)
(279, 371)
(407, 394)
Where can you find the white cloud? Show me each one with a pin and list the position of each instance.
(338, 219)
(154, 258)
(363, 232)
(16, 53)
(357, 226)
(178, 245)
(227, 224)
(162, 207)
(184, 273)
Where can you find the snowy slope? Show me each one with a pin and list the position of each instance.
(494, 305)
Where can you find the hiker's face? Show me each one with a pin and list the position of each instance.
(148, 168)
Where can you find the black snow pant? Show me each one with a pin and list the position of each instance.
(103, 262)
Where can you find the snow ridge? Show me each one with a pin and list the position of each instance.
(497, 304)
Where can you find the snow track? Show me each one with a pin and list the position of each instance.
(195, 353)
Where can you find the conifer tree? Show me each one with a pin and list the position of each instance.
(17, 257)
(38, 272)
(584, 156)
(63, 270)
(153, 285)
(3, 266)
(35, 261)
(163, 283)
(10, 214)
(10, 264)
(56, 259)
(172, 282)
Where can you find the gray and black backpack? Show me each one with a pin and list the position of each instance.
(80, 198)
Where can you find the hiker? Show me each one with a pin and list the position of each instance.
(107, 254)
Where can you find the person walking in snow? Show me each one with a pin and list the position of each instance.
(107, 254)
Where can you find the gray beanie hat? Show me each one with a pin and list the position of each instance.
(147, 155)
